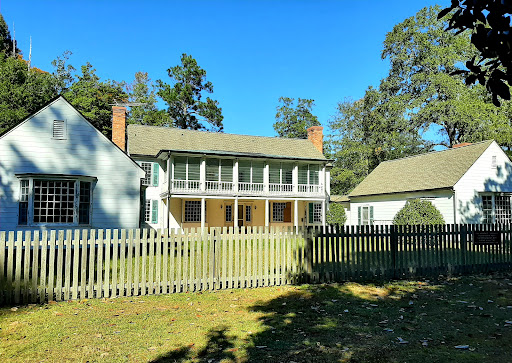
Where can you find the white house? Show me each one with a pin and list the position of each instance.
(469, 183)
(58, 171)
(208, 179)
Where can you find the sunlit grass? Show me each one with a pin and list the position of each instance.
(311, 323)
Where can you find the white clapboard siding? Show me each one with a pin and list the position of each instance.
(31, 148)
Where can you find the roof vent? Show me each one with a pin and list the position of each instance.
(59, 129)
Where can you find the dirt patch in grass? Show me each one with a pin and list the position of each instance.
(467, 319)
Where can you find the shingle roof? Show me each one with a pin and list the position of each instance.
(150, 140)
(434, 170)
(339, 198)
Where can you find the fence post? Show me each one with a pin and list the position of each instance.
(309, 254)
(463, 246)
(394, 249)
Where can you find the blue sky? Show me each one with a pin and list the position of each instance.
(253, 51)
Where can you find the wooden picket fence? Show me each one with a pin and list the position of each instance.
(63, 265)
(367, 253)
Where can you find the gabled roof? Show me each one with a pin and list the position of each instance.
(150, 140)
(79, 114)
(434, 170)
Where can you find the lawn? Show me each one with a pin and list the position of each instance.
(466, 319)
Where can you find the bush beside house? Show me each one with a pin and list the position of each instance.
(336, 214)
(417, 211)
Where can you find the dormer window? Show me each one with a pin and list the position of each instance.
(59, 129)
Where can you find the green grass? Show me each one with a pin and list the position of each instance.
(322, 323)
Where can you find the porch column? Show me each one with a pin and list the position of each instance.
(235, 214)
(235, 176)
(324, 211)
(202, 174)
(169, 173)
(267, 212)
(203, 213)
(295, 178)
(266, 177)
(296, 215)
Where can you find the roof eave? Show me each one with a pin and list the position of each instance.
(401, 192)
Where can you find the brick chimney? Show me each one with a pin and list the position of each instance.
(316, 136)
(119, 126)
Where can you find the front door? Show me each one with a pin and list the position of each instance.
(240, 215)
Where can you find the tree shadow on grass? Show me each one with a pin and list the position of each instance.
(318, 323)
(217, 349)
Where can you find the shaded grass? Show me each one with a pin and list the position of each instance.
(323, 323)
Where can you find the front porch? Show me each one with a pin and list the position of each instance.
(183, 211)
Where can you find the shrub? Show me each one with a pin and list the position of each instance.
(417, 211)
(336, 214)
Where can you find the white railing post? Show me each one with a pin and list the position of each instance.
(295, 178)
(202, 174)
(235, 176)
(266, 177)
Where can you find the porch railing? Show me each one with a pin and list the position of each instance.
(186, 186)
(219, 187)
(251, 188)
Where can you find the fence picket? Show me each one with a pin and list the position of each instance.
(60, 258)
(121, 282)
(143, 278)
(115, 261)
(151, 265)
(3, 286)
(83, 264)
(136, 263)
(92, 258)
(165, 261)
(44, 254)
(35, 266)
(129, 263)
(99, 264)
(76, 255)
(158, 262)
(108, 246)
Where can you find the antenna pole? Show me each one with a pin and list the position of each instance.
(13, 41)
(30, 54)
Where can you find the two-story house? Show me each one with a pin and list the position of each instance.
(207, 179)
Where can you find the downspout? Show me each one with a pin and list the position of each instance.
(454, 206)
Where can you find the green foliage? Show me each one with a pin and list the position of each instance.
(293, 120)
(63, 72)
(142, 91)
(365, 133)
(488, 21)
(22, 91)
(184, 97)
(336, 214)
(417, 211)
(6, 43)
(424, 80)
(94, 98)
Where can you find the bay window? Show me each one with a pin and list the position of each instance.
(54, 201)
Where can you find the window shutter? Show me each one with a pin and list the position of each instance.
(287, 213)
(311, 207)
(154, 211)
(371, 215)
(155, 174)
(358, 216)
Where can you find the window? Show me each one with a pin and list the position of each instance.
(84, 205)
(487, 208)
(309, 174)
(192, 211)
(187, 168)
(229, 213)
(315, 212)
(59, 129)
(496, 208)
(365, 215)
(248, 215)
(147, 211)
(280, 173)
(55, 201)
(151, 211)
(250, 171)
(281, 212)
(151, 170)
(23, 208)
